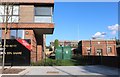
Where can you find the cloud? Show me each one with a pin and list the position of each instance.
(113, 28)
(99, 35)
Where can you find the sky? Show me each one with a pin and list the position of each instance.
(84, 20)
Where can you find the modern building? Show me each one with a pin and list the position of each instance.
(98, 47)
(28, 19)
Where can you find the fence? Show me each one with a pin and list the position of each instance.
(112, 61)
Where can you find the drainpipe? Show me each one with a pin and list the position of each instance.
(107, 47)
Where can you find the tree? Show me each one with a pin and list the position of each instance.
(56, 43)
(6, 13)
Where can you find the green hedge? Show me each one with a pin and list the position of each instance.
(47, 62)
(53, 62)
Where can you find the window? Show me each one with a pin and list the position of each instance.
(10, 8)
(43, 14)
(17, 34)
(11, 19)
(99, 52)
(43, 11)
(88, 50)
(21, 34)
(109, 49)
(13, 34)
(43, 19)
(13, 13)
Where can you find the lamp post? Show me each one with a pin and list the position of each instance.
(62, 51)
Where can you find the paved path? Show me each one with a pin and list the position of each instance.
(69, 70)
(72, 70)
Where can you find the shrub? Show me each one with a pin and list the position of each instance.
(47, 62)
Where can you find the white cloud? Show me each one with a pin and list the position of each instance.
(113, 28)
(99, 35)
(113, 32)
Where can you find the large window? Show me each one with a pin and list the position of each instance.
(43, 11)
(43, 19)
(13, 13)
(17, 34)
(43, 14)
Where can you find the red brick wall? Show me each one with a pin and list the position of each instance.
(99, 44)
(36, 54)
(39, 52)
(7, 35)
(29, 34)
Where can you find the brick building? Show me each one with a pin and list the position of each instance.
(98, 47)
(31, 19)
(72, 43)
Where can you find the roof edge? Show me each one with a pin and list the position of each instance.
(28, 1)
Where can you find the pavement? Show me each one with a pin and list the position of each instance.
(72, 70)
(69, 70)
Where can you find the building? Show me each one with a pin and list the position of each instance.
(72, 43)
(29, 19)
(98, 47)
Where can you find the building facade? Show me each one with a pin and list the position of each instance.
(98, 47)
(72, 43)
(28, 19)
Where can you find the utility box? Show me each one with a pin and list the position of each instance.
(58, 53)
(63, 52)
(67, 53)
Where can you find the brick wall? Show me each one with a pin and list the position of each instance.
(99, 44)
(26, 13)
(29, 34)
(39, 52)
(37, 48)
(27, 22)
(7, 35)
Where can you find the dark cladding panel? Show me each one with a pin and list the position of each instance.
(16, 53)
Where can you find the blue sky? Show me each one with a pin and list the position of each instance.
(83, 20)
